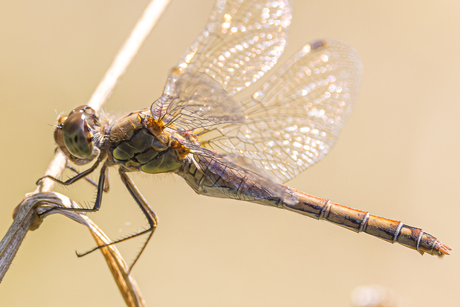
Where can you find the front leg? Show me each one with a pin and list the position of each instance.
(75, 178)
(100, 188)
(106, 186)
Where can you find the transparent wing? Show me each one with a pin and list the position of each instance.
(295, 118)
(241, 41)
(196, 102)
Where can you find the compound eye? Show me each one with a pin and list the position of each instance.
(77, 135)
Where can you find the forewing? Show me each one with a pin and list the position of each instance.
(241, 41)
(295, 118)
(196, 101)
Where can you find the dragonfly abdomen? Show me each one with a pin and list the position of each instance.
(360, 221)
(215, 178)
(208, 176)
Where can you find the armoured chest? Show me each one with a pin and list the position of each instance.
(137, 147)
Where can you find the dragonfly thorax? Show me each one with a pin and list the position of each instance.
(138, 142)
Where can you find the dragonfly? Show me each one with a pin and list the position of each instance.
(239, 148)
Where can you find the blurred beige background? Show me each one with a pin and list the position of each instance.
(397, 157)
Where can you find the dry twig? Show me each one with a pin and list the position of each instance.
(26, 214)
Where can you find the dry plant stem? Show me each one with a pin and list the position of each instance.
(119, 65)
(25, 214)
(142, 29)
(26, 218)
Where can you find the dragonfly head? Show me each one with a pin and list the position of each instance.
(75, 134)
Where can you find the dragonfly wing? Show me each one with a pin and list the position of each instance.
(196, 102)
(295, 118)
(241, 41)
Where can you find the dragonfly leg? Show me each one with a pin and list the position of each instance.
(152, 218)
(75, 178)
(106, 186)
(100, 190)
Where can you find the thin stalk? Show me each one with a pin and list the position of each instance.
(25, 214)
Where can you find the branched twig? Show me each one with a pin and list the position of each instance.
(42, 199)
